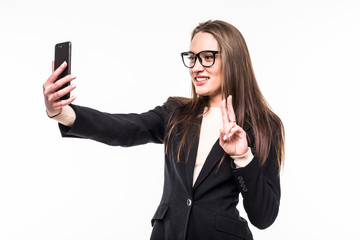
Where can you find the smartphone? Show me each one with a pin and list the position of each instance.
(63, 53)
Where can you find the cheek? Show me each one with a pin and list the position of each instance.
(218, 74)
(219, 71)
(219, 82)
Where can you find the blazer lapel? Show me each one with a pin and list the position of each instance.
(191, 159)
(211, 161)
(187, 159)
(190, 166)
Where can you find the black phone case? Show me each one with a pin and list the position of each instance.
(63, 53)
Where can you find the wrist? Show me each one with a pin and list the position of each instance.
(242, 154)
(52, 115)
(243, 160)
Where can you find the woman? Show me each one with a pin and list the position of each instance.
(205, 169)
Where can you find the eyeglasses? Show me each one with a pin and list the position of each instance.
(206, 58)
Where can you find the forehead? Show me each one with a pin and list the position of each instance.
(203, 41)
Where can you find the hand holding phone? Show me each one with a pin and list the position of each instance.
(57, 88)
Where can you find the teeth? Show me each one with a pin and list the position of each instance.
(202, 79)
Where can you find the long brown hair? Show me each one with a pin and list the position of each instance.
(251, 109)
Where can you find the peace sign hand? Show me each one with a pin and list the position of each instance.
(232, 136)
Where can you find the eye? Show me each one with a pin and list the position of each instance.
(208, 57)
(190, 57)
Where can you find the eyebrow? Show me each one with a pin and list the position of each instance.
(204, 51)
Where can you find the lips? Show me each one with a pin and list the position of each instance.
(201, 80)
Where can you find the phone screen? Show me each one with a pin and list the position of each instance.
(63, 53)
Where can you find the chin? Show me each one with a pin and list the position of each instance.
(201, 93)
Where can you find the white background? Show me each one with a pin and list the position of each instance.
(126, 56)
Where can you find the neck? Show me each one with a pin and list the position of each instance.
(215, 101)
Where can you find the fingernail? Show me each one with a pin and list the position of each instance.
(224, 137)
(63, 63)
(230, 135)
(73, 85)
(73, 76)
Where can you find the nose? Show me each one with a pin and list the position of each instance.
(198, 67)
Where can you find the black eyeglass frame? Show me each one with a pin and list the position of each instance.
(197, 56)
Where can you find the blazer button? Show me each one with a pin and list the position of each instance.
(240, 178)
(188, 202)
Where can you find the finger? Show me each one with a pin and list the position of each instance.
(58, 94)
(226, 131)
(56, 74)
(63, 103)
(223, 136)
(237, 130)
(230, 109)
(224, 114)
(58, 84)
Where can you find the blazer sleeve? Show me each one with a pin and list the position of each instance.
(119, 129)
(260, 189)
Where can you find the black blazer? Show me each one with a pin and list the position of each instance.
(207, 210)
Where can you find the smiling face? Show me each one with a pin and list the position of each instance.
(207, 80)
